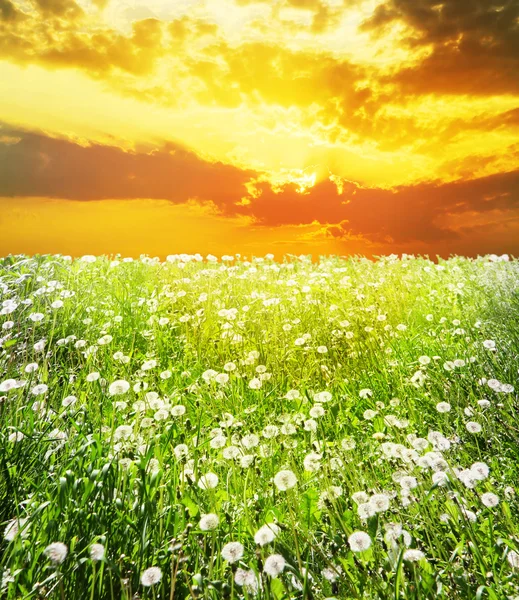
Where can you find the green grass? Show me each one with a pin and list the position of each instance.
(388, 340)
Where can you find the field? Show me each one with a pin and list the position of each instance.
(224, 428)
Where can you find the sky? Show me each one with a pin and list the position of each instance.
(246, 126)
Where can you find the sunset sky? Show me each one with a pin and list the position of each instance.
(285, 126)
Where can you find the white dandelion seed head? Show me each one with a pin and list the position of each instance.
(56, 552)
(151, 576)
(274, 565)
(118, 387)
(232, 552)
(208, 481)
(209, 522)
(359, 541)
(513, 559)
(473, 427)
(285, 480)
(97, 552)
(379, 502)
(490, 500)
(413, 555)
(266, 534)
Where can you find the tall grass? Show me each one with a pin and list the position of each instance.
(140, 396)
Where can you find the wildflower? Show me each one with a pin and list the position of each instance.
(248, 579)
(39, 389)
(513, 559)
(255, 383)
(208, 481)
(413, 555)
(359, 541)
(151, 576)
(322, 397)
(209, 522)
(97, 552)
(443, 407)
(285, 480)
(479, 471)
(12, 529)
(312, 462)
(266, 534)
(473, 427)
(490, 500)
(118, 387)
(56, 552)
(379, 502)
(123, 432)
(8, 385)
(317, 411)
(68, 401)
(232, 552)
(274, 565)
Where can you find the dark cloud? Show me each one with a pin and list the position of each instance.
(430, 213)
(8, 11)
(37, 165)
(475, 44)
(60, 8)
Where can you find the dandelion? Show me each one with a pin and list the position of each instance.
(232, 552)
(39, 390)
(369, 414)
(513, 559)
(97, 552)
(56, 552)
(8, 385)
(379, 502)
(479, 471)
(247, 579)
(209, 522)
(274, 565)
(490, 500)
(13, 528)
(118, 387)
(178, 410)
(285, 480)
(322, 397)
(312, 462)
(413, 555)
(151, 576)
(473, 427)
(266, 534)
(359, 541)
(255, 384)
(68, 401)
(208, 481)
(443, 407)
(123, 432)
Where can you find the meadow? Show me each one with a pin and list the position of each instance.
(206, 427)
